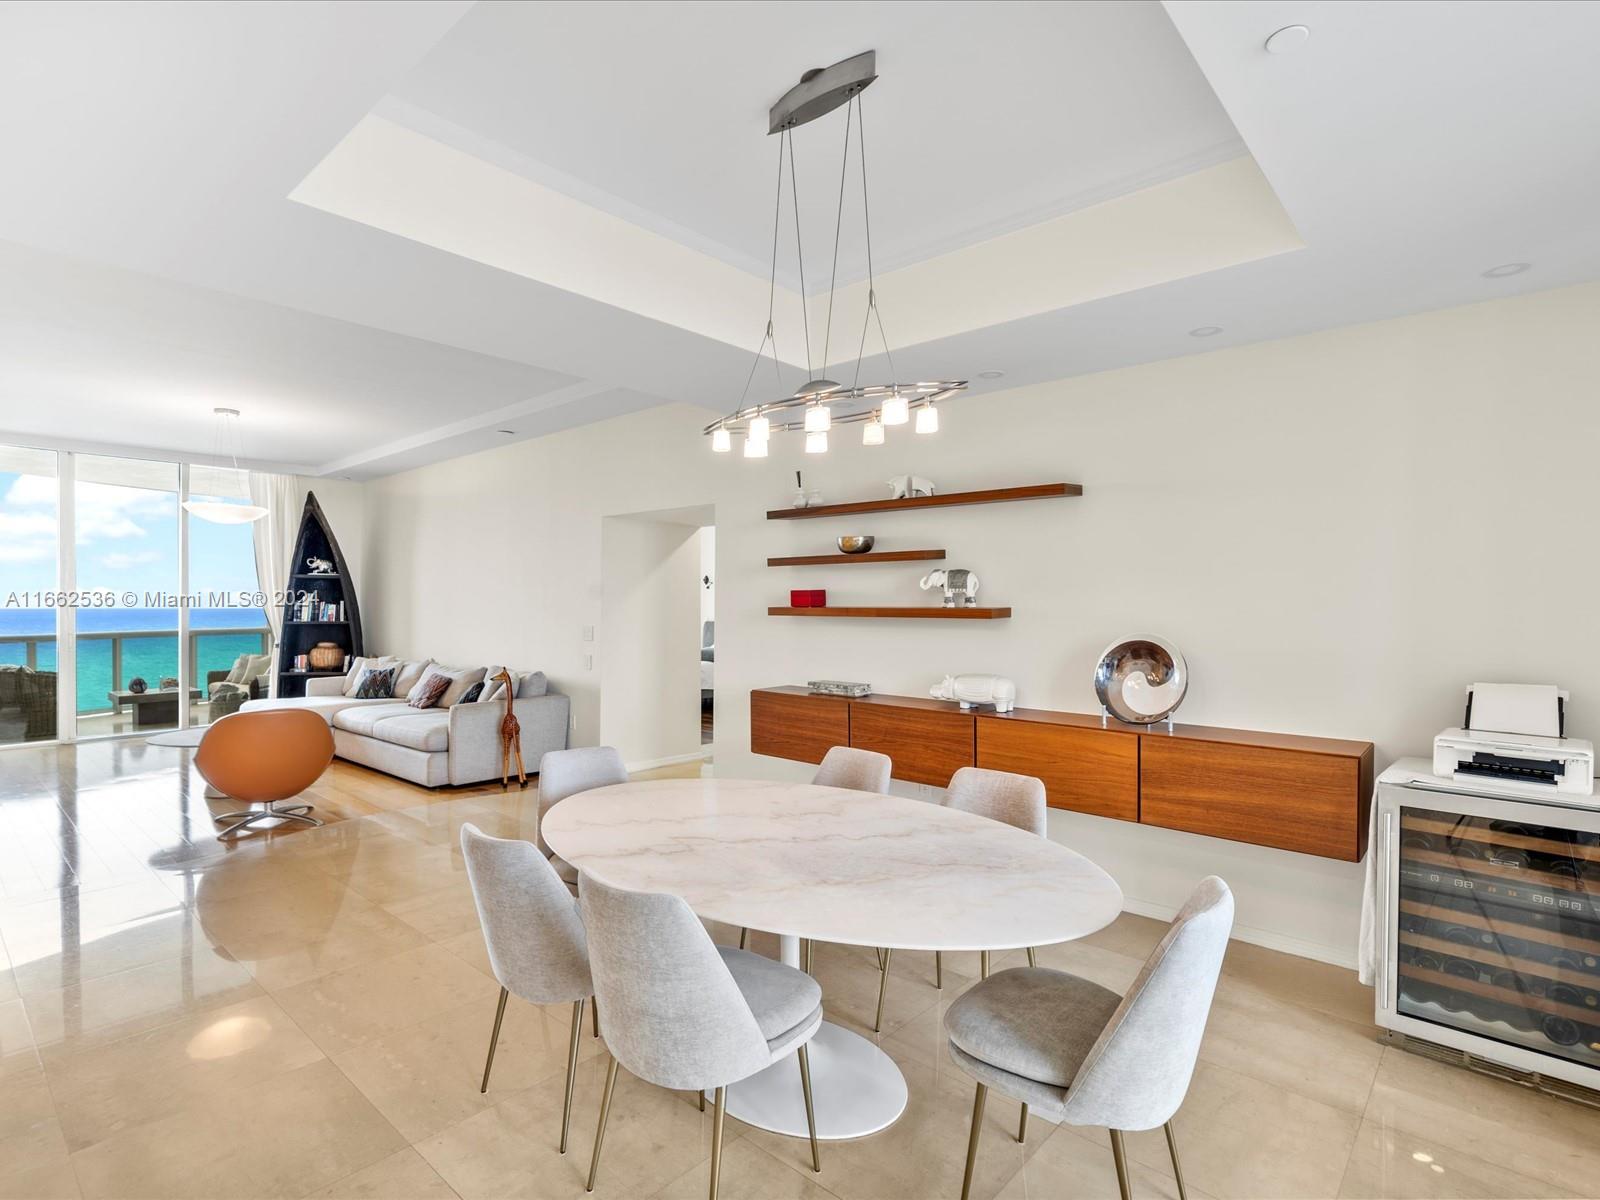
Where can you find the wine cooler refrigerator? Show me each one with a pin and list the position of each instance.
(1488, 912)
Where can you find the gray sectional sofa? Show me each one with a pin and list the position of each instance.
(432, 746)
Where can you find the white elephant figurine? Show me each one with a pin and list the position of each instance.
(319, 566)
(960, 586)
(902, 487)
(971, 690)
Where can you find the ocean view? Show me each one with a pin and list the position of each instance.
(150, 655)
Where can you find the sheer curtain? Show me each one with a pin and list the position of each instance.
(275, 533)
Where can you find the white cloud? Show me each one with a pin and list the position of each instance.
(119, 560)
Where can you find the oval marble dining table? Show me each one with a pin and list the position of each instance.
(833, 865)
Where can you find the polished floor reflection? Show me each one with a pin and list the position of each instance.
(305, 1014)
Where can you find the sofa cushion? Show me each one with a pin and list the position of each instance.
(430, 690)
(533, 684)
(427, 730)
(237, 673)
(410, 672)
(460, 681)
(365, 720)
(326, 707)
(358, 666)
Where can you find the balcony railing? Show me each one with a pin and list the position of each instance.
(120, 641)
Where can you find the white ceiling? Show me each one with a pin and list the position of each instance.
(984, 118)
(154, 264)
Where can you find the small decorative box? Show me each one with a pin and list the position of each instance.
(808, 598)
(838, 687)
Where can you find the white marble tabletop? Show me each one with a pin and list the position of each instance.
(835, 865)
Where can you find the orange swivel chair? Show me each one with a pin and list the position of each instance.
(263, 758)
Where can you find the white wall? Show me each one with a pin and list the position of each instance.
(1340, 530)
(649, 656)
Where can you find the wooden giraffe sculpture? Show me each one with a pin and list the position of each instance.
(510, 737)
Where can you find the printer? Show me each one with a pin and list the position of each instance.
(1511, 741)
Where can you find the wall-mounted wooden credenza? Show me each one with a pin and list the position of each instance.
(1307, 794)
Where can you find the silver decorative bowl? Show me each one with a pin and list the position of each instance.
(1141, 680)
(856, 543)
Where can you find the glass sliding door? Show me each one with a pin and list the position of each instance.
(29, 549)
(229, 641)
(126, 549)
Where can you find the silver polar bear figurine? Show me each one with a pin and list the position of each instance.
(902, 487)
(960, 586)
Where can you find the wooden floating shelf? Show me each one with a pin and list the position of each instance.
(948, 614)
(1036, 491)
(815, 560)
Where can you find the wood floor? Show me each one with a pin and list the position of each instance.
(305, 1014)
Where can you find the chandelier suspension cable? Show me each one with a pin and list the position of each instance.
(838, 225)
(772, 296)
(872, 289)
(800, 258)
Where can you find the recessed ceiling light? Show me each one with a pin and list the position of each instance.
(507, 432)
(1506, 270)
(1288, 39)
(991, 374)
(1206, 331)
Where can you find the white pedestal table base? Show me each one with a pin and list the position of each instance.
(856, 1088)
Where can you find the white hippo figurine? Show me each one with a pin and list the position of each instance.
(970, 690)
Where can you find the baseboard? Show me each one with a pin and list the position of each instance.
(650, 764)
(1338, 956)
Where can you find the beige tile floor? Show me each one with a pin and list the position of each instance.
(306, 1015)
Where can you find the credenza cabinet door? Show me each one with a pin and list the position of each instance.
(1091, 771)
(926, 745)
(798, 727)
(1287, 799)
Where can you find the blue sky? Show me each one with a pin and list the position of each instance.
(127, 540)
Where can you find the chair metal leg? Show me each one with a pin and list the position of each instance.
(600, 1130)
(594, 1015)
(243, 820)
(720, 1108)
(810, 949)
(879, 953)
(1177, 1171)
(938, 969)
(572, 1070)
(883, 986)
(1121, 1158)
(983, 964)
(1033, 960)
(972, 1142)
(1022, 1125)
(811, 1116)
(702, 1096)
(494, 1038)
(744, 939)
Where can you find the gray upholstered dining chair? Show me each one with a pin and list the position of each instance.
(534, 935)
(1083, 1055)
(684, 1013)
(564, 773)
(859, 770)
(846, 767)
(1016, 800)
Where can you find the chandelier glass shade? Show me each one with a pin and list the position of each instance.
(819, 403)
(225, 512)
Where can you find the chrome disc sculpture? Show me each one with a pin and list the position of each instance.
(1142, 680)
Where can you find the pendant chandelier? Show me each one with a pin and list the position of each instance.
(225, 512)
(819, 403)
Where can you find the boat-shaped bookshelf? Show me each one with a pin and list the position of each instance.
(308, 592)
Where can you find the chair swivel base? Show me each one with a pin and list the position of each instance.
(271, 812)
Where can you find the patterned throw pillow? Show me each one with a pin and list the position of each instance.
(471, 693)
(426, 694)
(377, 683)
